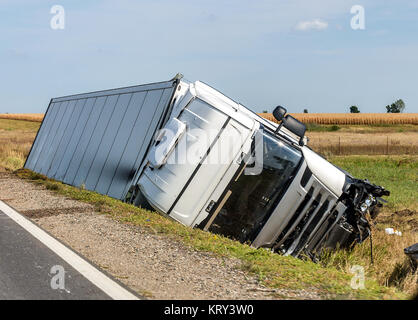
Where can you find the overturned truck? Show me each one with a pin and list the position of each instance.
(193, 154)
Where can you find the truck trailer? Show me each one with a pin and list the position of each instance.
(196, 156)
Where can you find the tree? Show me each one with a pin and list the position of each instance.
(397, 107)
(305, 110)
(265, 111)
(354, 109)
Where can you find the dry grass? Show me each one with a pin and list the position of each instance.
(391, 267)
(16, 138)
(368, 143)
(36, 117)
(353, 118)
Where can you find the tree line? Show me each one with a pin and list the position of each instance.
(397, 107)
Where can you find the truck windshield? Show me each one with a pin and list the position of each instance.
(252, 198)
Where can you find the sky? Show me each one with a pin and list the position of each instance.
(301, 54)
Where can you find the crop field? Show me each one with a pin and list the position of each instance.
(360, 133)
(349, 141)
(396, 172)
(36, 117)
(308, 118)
(353, 118)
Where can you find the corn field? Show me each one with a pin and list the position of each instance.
(35, 117)
(352, 118)
(316, 118)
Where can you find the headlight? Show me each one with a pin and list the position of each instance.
(367, 204)
(364, 207)
(369, 201)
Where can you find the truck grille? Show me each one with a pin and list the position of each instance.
(307, 219)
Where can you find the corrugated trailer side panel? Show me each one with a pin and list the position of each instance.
(99, 140)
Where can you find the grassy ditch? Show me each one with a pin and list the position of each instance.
(399, 174)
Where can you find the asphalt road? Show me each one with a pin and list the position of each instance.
(31, 270)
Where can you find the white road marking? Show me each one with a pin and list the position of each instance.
(99, 279)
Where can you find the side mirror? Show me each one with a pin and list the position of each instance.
(279, 112)
(295, 126)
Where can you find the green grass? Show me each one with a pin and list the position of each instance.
(19, 125)
(313, 127)
(391, 267)
(371, 128)
(273, 270)
(398, 174)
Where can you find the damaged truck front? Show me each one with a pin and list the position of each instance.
(220, 167)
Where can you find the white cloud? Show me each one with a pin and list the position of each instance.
(316, 24)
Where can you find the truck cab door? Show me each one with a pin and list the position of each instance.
(182, 184)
